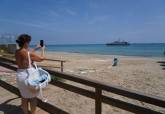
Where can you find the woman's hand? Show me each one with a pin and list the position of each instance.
(37, 58)
(43, 48)
(38, 46)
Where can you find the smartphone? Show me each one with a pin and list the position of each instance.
(41, 43)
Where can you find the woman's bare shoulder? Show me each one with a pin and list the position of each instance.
(21, 53)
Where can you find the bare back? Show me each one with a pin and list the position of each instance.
(22, 59)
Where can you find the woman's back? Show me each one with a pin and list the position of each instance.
(22, 59)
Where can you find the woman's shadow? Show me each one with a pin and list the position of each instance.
(6, 108)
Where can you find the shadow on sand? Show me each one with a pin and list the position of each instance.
(6, 108)
(162, 64)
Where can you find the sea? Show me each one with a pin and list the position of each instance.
(140, 49)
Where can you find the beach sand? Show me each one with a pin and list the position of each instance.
(136, 73)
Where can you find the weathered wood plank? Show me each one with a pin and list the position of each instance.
(55, 60)
(128, 106)
(62, 66)
(74, 89)
(98, 101)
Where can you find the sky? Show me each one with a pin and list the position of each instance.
(85, 21)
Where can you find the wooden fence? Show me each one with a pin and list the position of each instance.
(97, 94)
(61, 63)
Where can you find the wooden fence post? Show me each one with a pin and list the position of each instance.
(62, 66)
(98, 100)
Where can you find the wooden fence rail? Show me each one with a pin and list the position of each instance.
(56, 60)
(97, 94)
(61, 63)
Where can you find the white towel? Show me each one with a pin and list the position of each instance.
(22, 75)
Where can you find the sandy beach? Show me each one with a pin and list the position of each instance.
(137, 73)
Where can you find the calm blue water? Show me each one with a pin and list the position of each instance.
(145, 50)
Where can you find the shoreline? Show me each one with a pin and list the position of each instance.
(139, 50)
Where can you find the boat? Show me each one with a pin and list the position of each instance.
(120, 43)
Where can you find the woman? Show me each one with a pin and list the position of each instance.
(28, 96)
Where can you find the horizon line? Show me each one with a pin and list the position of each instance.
(98, 43)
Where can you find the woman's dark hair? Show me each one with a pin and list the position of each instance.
(22, 39)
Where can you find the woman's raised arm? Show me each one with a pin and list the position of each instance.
(36, 58)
